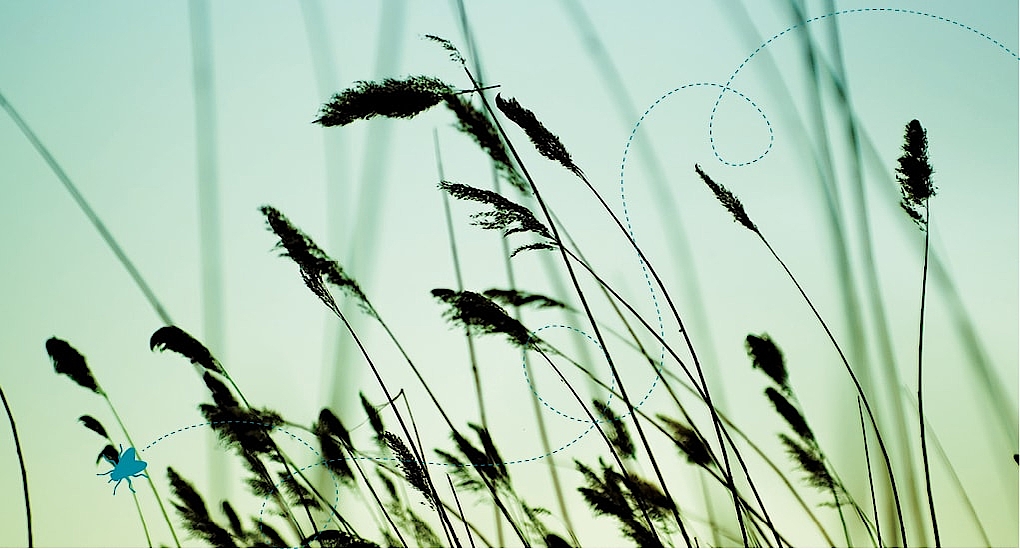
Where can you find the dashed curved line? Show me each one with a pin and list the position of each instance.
(609, 400)
(726, 87)
(336, 485)
(626, 211)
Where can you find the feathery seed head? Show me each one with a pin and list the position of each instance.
(93, 425)
(481, 315)
(476, 124)
(728, 200)
(547, 144)
(392, 98)
(177, 340)
(790, 413)
(914, 173)
(314, 264)
(767, 357)
(448, 46)
(68, 361)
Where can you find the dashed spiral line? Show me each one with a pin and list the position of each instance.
(591, 425)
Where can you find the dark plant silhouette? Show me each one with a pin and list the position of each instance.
(731, 203)
(914, 176)
(21, 464)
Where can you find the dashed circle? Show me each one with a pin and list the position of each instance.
(726, 87)
(609, 399)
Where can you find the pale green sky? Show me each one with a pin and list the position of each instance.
(107, 86)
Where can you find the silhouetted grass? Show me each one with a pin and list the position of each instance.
(21, 464)
(646, 511)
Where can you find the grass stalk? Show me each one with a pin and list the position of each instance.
(944, 457)
(21, 463)
(889, 371)
(557, 486)
(159, 500)
(460, 511)
(920, 386)
(871, 478)
(584, 303)
(84, 206)
(857, 385)
(701, 392)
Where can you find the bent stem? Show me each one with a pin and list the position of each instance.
(152, 485)
(21, 462)
(920, 392)
(857, 384)
(588, 312)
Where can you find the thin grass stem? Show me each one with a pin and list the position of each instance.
(21, 463)
(508, 267)
(93, 218)
(944, 457)
(871, 478)
(587, 310)
(920, 386)
(152, 485)
(857, 384)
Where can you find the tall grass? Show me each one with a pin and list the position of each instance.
(386, 472)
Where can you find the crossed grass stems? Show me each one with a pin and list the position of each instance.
(644, 508)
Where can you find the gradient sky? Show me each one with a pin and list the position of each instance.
(108, 88)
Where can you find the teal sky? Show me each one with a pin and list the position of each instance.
(107, 86)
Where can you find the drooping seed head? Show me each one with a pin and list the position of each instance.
(728, 200)
(914, 173)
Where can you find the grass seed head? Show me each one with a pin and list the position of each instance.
(413, 471)
(391, 98)
(811, 463)
(914, 173)
(546, 142)
(448, 46)
(68, 361)
(481, 315)
(177, 340)
(766, 356)
(790, 413)
(314, 264)
(193, 512)
(515, 298)
(691, 445)
(93, 425)
(477, 125)
(728, 200)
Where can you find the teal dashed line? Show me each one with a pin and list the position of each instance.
(613, 386)
(336, 485)
(626, 212)
(711, 119)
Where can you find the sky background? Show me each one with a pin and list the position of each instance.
(108, 87)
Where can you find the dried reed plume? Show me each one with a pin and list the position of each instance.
(547, 143)
(177, 340)
(618, 434)
(480, 315)
(69, 362)
(728, 200)
(515, 298)
(474, 123)
(688, 441)
(193, 512)
(92, 424)
(448, 46)
(413, 470)
(768, 358)
(506, 215)
(391, 98)
(315, 265)
(914, 173)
